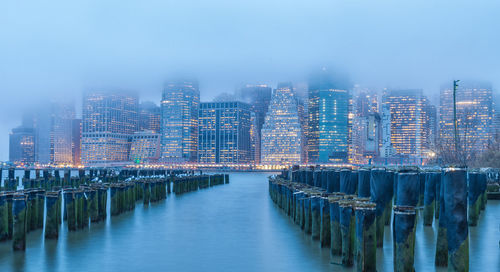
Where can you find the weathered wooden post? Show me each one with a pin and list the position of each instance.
(19, 222)
(429, 197)
(366, 242)
(347, 231)
(455, 197)
(474, 194)
(71, 208)
(404, 238)
(324, 235)
(4, 217)
(336, 237)
(381, 186)
(52, 221)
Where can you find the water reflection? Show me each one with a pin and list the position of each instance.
(234, 227)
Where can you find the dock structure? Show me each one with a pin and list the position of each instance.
(347, 209)
(80, 196)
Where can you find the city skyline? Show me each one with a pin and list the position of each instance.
(349, 128)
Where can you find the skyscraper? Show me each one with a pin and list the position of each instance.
(76, 141)
(328, 123)
(409, 122)
(258, 96)
(224, 133)
(474, 115)
(22, 145)
(109, 118)
(367, 127)
(149, 117)
(281, 132)
(52, 124)
(179, 124)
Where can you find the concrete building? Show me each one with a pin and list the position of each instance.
(144, 146)
(281, 132)
(109, 119)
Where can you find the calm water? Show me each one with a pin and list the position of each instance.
(234, 227)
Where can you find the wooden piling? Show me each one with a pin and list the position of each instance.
(19, 222)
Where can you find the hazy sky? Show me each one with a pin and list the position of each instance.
(56, 49)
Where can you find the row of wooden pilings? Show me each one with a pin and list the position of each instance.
(347, 210)
(83, 202)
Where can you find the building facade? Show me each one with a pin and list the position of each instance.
(281, 132)
(76, 141)
(179, 122)
(366, 127)
(22, 145)
(144, 146)
(259, 97)
(474, 111)
(225, 133)
(109, 119)
(409, 128)
(149, 117)
(328, 122)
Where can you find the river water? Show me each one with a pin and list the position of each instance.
(232, 227)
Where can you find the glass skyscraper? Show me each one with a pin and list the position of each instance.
(328, 122)
(281, 132)
(224, 133)
(179, 121)
(109, 118)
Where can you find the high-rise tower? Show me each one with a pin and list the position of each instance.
(281, 132)
(179, 121)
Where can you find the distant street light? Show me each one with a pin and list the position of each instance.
(455, 122)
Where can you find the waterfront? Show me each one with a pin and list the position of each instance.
(235, 227)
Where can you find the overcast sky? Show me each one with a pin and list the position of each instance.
(57, 49)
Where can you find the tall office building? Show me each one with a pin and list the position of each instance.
(281, 132)
(328, 122)
(366, 127)
(474, 104)
(22, 145)
(76, 138)
(52, 124)
(259, 97)
(179, 121)
(149, 117)
(144, 146)
(409, 122)
(225, 133)
(109, 118)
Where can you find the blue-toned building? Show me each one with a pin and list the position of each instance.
(328, 122)
(224, 133)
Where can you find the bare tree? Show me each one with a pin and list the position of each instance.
(466, 150)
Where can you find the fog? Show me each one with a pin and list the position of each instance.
(57, 49)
